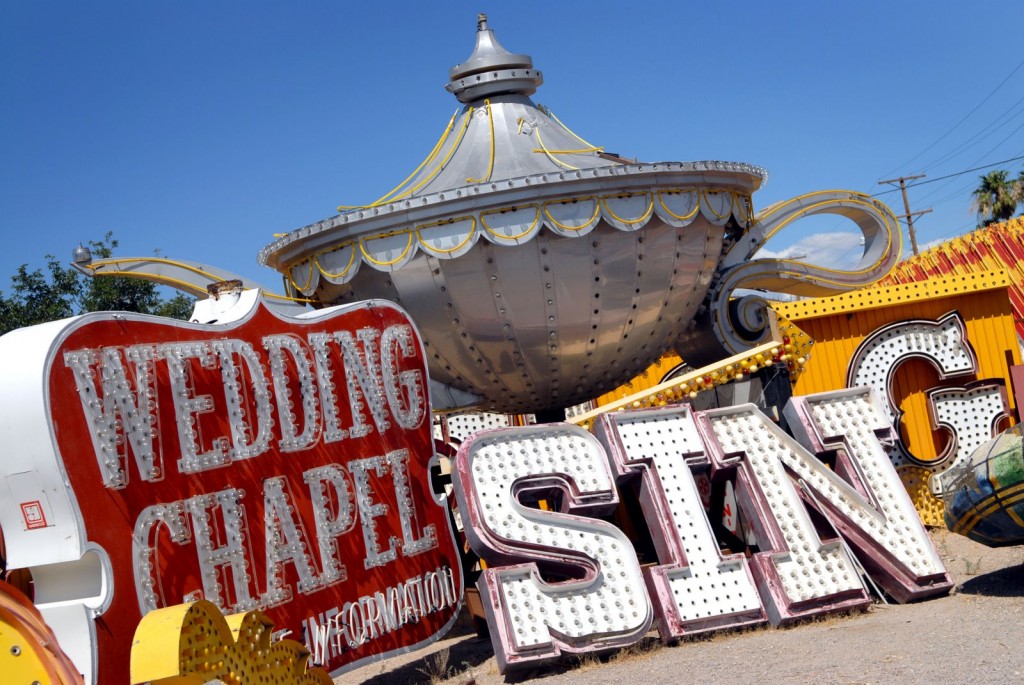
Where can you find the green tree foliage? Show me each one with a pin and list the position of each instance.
(997, 196)
(59, 292)
(37, 297)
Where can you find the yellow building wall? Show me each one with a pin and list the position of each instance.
(839, 324)
(651, 377)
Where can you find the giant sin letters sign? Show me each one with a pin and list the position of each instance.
(269, 463)
(560, 581)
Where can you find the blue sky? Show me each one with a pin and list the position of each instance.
(203, 128)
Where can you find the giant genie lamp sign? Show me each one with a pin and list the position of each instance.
(272, 463)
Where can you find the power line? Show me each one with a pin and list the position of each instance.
(998, 145)
(980, 135)
(956, 193)
(940, 178)
(973, 162)
(965, 118)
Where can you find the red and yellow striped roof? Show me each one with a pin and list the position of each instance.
(997, 246)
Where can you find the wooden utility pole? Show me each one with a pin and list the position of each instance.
(909, 216)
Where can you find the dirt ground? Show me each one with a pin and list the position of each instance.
(971, 636)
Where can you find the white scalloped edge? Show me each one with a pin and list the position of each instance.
(515, 225)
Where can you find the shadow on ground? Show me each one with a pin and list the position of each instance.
(1006, 582)
(440, 665)
(456, 662)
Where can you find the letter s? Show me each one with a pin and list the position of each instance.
(599, 601)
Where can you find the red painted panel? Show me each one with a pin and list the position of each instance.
(270, 500)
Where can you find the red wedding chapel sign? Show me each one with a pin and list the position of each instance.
(274, 463)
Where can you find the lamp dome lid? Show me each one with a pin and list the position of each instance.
(492, 70)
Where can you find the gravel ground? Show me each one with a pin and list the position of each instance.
(971, 636)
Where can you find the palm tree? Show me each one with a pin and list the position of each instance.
(996, 198)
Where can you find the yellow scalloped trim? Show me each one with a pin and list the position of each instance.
(646, 214)
(707, 203)
(472, 221)
(591, 220)
(501, 236)
(351, 260)
(309, 281)
(362, 247)
(693, 212)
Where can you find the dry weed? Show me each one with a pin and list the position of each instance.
(436, 667)
(641, 649)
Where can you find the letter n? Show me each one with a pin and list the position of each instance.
(864, 498)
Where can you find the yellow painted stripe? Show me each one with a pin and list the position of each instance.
(988, 506)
